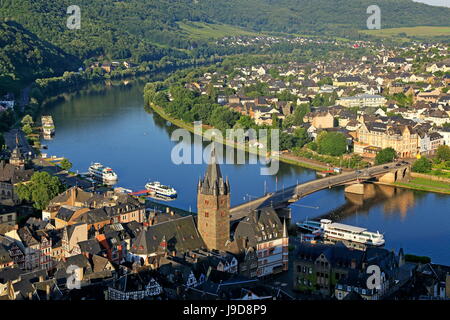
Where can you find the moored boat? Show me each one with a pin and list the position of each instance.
(100, 172)
(161, 190)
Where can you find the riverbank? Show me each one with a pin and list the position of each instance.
(309, 164)
(416, 183)
(421, 184)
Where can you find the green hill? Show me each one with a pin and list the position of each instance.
(131, 28)
(24, 57)
(150, 30)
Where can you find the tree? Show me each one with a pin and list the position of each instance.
(65, 164)
(443, 153)
(287, 141)
(423, 165)
(27, 120)
(299, 113)
(385, 156)
(27, 129)
(40, 189)
(331, 143)
(302, 136)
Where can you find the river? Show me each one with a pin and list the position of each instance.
(112, 127)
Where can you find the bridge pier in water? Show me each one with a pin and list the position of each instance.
(356, 188)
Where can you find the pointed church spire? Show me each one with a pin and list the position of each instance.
(213, 182)
(213, 173)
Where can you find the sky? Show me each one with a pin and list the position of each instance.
(442, 3)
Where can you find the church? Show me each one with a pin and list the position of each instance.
(260, 240)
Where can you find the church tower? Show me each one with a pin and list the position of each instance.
(213, 207)
(16, 158)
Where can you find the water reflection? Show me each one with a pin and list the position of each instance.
(394, 201)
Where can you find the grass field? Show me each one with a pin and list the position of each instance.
(205, 31)
(426, 185)
(421, 31)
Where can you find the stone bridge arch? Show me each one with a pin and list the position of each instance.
(399, 174)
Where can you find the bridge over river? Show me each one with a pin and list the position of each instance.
(388, 173)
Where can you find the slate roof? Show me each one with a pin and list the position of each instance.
(66, 212)
(56, 235)
(10, 274)
(337, 255)
(90, 246)
(13, 174)
(99, 263)
(259, 226)
(27, 237)
(181, 236)
(36, 224)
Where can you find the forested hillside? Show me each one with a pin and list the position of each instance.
(24, 57)
(145, 30)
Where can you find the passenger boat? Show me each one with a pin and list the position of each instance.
(338, 231)
(161, 190)
(341, 231)
(100, 172)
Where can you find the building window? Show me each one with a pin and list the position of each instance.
(206, 214)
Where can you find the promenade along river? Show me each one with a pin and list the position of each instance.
(112, 127)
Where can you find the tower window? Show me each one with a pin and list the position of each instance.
(206, 201)
(222, 213)
(206, 214)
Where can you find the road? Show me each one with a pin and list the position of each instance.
(282, 198)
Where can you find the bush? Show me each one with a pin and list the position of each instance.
(423, 165)
(312, 146)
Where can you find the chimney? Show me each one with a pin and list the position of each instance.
(172, 213)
